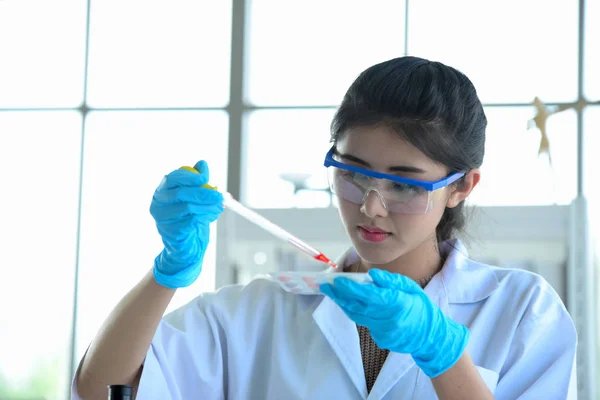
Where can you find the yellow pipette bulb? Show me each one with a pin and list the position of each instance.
(194, 170)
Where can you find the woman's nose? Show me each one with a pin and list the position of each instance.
(374, 205)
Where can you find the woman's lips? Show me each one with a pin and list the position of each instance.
(373, 234)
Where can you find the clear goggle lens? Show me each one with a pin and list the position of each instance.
(401, 198)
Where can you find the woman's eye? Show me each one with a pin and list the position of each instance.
(403, 187)
(347, 174)
(360, 178)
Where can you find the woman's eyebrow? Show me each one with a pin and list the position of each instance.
(396, 168)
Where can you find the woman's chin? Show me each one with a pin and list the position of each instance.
(377, 254)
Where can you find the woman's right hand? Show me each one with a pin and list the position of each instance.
(183, 211)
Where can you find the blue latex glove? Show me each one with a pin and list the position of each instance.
(183, 211)
(402, 319)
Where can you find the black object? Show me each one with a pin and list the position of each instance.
(120, 392)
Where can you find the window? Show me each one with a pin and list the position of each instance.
(309, 52)
(126, 155)
(148, 54)
(43, 53)
(285, 148)
(512, 50)
(592, 51)
(513, 174)
(146, 60)
(38, 210)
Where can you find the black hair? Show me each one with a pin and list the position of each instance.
(431, 105)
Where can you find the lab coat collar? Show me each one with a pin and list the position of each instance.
(465, 281)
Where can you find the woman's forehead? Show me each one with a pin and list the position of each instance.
(382, 147)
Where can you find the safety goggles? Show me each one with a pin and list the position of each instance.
(398, 195)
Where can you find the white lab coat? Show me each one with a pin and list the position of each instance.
(259, 342)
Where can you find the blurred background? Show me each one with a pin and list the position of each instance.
(100, 99)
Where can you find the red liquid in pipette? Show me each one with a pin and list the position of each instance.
(321, 257)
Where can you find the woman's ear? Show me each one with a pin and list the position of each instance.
(461, 192)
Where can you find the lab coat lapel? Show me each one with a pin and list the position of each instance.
(398, 364)
(342, 335)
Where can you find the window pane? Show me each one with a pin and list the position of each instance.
(283, 146)
(42, 44)
(512, 172)
(309, 52)
(512, 50)
(126, 156)
(153, 54)
(39, 160)
(592, 50)
(288, 143)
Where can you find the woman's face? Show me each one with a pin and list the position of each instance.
(380, 149)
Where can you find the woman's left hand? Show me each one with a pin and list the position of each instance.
(401, 318)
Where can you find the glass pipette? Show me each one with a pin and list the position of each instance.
(237, 207)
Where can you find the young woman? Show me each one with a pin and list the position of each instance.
(408, 141)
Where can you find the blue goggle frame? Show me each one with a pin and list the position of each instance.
(427, 185)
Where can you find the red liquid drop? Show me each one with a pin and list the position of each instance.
(326, 260)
